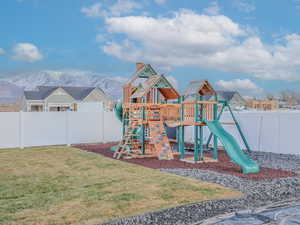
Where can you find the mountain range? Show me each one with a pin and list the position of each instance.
(12, 86)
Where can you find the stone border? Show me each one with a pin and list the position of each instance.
(257, 193)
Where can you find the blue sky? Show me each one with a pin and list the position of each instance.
(251, 46)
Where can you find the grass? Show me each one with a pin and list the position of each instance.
(63, 185)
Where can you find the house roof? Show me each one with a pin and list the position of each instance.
(156, 81)
(197, 87)
(42, 92)
(222, 95)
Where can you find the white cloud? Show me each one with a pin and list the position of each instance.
(244, 86)
(213, 9)
(210, 42)
(93, 11)
(160, 2)
(185, 31)
(26, 52)
(244, 6)
(2, 51)
(121, 7)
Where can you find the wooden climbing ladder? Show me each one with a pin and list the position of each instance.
(129, 139)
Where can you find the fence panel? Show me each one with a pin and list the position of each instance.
(84, 127)
(269, 133)
(44, 128)
(250, 125)
(111, 128)
(289, 133)
(10, 130)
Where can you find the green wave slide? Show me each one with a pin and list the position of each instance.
(119, 111)
(119, 114)
(233, 149)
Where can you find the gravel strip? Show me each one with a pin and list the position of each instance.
(257, 193)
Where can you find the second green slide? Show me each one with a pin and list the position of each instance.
(233, 149)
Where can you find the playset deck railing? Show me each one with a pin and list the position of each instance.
(184, 112)
(203, 109)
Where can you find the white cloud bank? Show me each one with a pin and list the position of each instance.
(244, 86)
(211, 42)
(93, 11)
(213, 9)
(244, 6)
(26, 52)
(121, 7)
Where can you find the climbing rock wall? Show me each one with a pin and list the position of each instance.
(159, 138)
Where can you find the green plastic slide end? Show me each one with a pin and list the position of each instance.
(119, 110)
(232, 148)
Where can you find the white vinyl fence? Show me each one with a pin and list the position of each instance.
(274, 131)
(265, 131)
(26, 129)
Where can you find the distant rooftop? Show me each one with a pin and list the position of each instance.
(42, 92)
(226, 95)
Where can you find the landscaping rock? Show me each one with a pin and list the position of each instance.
(257, 194)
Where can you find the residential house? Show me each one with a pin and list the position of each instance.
(290, 104)
(233, 98)
(56, 98)
(263, 104)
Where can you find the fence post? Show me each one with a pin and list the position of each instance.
(67, 129)
(21, 131)
(102, 124)
(279, 134)
(260, 132)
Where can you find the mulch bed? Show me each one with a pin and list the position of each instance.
(222, 166)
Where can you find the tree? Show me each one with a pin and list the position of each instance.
(290, 97)
(270, 96)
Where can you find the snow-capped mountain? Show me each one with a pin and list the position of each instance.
(30, 80)
(9, 92)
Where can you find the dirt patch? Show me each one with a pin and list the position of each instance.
(222, 166)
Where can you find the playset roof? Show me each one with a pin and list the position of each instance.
(161, 83)
(142, 71)
(199, 87)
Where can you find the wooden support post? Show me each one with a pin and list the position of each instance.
(201, 130)
(196, 135)
(143, 128)
(181, 130)
(201, 142)
(215, 136)
(123, 124)
(211, 135)
(178, 130)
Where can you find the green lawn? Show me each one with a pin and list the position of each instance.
(63, 185)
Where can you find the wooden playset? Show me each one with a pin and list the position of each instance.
(150, 103)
